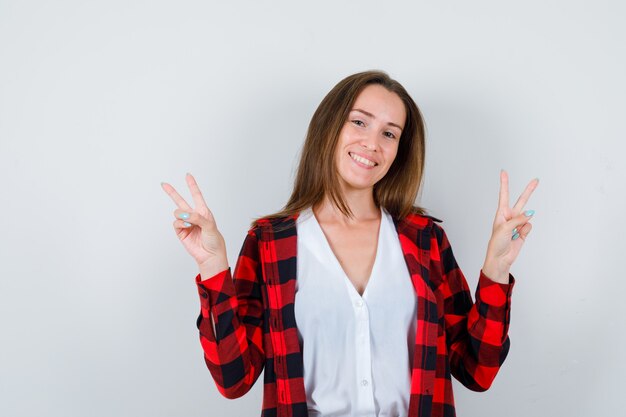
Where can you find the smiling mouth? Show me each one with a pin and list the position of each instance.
(362, 160)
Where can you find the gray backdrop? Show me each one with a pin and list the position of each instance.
(100, 101)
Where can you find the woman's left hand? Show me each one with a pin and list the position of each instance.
(505, 245)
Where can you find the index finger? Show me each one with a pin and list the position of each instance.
(180, 202)
(195, 191)
(503, 202)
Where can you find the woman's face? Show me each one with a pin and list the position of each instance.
(368, 141)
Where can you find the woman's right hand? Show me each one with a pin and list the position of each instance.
(201, 238)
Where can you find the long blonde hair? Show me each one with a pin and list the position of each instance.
(317, 174)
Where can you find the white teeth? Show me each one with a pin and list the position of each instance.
(362, 160)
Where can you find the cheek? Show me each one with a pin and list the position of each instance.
(338, 158)
(392, 153)
(338, 153)
(395, 154)
(340, 149)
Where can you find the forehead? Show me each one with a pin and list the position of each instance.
(381, 102)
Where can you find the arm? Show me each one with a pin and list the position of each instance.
(476, 333)
(231, 322)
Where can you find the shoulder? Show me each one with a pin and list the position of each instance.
(273, 227)
(416, 227)
(431, 219)
(419, 218)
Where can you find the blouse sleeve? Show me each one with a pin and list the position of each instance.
(231, 322)
(476, 333)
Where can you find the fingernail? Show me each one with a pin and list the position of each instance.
(515, 236)
(515, 230)
(529, 213)
(187, 224)
(184, 216)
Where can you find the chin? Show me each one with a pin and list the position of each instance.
(352, 180)
(356, 185)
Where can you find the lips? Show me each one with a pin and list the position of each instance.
(362, 159)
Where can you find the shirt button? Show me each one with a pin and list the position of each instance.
(359, 303)
(364, 382)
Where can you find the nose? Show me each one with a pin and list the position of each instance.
(369, 141)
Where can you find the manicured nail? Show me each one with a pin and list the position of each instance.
(515, 230)
(187, 224)
(184, 216)
(529, 213)
(515, 236)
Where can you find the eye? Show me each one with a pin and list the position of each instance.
(390, 135)
(356, 122)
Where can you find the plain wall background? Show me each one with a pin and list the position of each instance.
(100, 101)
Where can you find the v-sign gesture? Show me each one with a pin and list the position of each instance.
(196, 228)
(510, 228)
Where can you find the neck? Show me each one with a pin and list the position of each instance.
(360, 202)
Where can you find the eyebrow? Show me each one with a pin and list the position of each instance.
(374, 117)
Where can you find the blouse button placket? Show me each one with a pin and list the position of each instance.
(365, 398)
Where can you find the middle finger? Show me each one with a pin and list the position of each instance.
(195, 191)
(523, 198)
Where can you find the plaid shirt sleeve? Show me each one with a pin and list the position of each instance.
(231, 322)
(476, 333)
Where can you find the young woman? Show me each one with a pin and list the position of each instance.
(350, 298)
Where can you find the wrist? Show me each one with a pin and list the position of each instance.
(496, 272)
(212, 268)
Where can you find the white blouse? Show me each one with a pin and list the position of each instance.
(357, 351)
